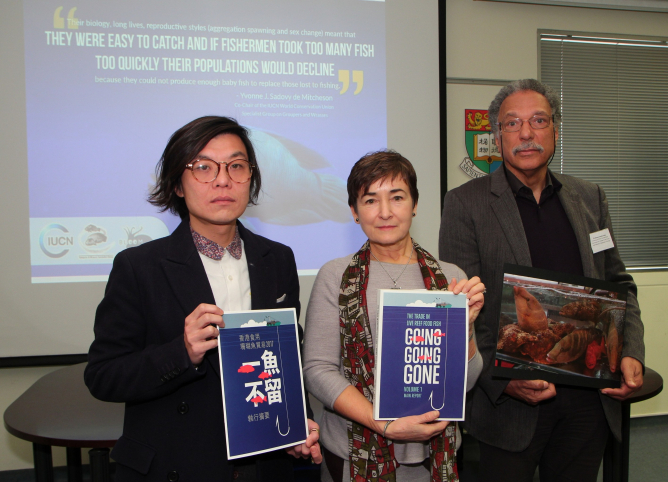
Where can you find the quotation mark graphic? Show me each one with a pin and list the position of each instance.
(59, 21)
(358, 78)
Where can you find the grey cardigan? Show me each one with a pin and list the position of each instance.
(323, 370)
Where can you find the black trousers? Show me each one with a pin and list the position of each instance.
(568, 444)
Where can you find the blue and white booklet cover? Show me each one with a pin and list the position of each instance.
(421, 354)
(261, 376)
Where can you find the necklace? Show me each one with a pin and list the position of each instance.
(388, 274)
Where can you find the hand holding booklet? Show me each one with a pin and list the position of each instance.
(421, 354)
(261, 377)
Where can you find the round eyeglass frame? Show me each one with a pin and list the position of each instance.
(529, 120)
(191, 167)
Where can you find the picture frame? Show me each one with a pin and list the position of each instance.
(560, 328)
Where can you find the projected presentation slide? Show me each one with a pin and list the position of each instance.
(107, 83)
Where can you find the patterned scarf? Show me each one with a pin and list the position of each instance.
(372, 455)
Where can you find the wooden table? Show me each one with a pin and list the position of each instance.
(59, 410)
(616, 459)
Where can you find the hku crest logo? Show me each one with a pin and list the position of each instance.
(484, 157)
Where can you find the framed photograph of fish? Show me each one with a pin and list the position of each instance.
(560, 328)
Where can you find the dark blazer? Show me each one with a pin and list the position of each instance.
(481, 230)
(174, 427)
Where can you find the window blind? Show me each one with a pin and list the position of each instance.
(614, 131)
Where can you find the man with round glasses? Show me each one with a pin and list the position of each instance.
(525, 214)
(207, 170)
(156, 329)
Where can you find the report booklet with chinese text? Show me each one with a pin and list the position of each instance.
(261, 377)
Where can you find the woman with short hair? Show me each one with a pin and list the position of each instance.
(383, 199)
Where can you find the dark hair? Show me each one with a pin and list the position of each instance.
(183, 147)
(519, 86)
(384, 164)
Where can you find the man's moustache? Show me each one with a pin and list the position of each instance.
(528, 145)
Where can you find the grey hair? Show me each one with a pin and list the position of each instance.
(522, 85)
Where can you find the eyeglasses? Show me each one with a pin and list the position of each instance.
(515, 124)
(206, 170)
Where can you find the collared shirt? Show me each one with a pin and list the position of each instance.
(549, 233)
(228, 276)
(213, 250)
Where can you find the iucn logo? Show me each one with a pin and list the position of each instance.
(52, 240)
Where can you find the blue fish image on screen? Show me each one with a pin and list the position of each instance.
(292, 193)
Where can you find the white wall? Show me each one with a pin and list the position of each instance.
(490, 40)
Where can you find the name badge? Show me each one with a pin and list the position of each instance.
(601, 240)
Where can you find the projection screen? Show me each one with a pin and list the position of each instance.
(94, 89)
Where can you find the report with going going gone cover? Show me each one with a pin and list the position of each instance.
(421, 354)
